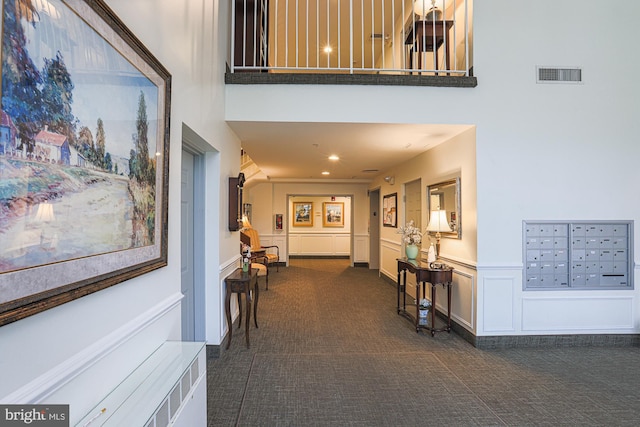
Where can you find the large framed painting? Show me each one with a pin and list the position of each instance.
(390, 210)
(84, 154)
(333, 214)
(303, 214)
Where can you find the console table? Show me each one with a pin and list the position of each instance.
(242, 282)
(428, 36)
(424, 274)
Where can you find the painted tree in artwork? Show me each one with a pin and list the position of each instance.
(57, 97)
(108, 163)
(142, 127)
(142, 182)
(101, 141)
(85, 143)
(20, 77)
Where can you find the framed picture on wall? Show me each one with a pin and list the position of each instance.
(278, 222)
(84, 190)
(303, 214)
(333, 214)
(390, 210)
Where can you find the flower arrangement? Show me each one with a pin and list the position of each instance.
(411, 234)
(425, 304)
(245, 250)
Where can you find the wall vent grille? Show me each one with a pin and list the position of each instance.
(169, 408)
(559, 75)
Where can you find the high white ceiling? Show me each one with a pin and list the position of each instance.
(299, 151)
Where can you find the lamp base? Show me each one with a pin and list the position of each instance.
(433, 15)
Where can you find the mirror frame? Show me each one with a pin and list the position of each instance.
(457, 234)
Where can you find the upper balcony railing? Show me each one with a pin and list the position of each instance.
(401, 37)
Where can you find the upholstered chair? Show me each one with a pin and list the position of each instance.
(259, 250)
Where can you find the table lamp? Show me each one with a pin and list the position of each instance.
(245, 222)
(430, 10)
(437, 223)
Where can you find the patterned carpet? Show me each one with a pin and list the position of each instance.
(330, 350)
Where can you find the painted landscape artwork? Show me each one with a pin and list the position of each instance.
(75, 180)
(83, 148)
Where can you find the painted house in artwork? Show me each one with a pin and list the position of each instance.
(52, 147)
(77, 159)
(8, 134)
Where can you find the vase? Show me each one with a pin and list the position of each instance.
(411, 251)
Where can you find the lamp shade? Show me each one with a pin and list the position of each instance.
(245, 222)
(422, 7)
(438, 222)
(45, 212)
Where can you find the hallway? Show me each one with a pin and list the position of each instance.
(331, 351)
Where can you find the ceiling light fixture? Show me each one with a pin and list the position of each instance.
(390, 179)
(325, 173)
(328, 49)
(334, 157)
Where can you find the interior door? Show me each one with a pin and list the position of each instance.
(374, 229)
(413, 203)
(187, 247)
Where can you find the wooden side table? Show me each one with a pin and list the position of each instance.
(424, 274)
(429, 36)
(242, 282)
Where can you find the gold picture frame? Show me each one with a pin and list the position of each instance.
(303, 214)
(333, 214)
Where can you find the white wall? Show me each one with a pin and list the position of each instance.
(110, 332)
(543, 151)
(572, 143)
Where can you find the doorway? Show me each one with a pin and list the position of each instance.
(187, 271)
(374, 229)
(413, 203)
(192, 245)
(320, 226)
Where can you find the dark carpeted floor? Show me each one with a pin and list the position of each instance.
(331, 350)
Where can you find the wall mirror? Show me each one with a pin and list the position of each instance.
(443, 201)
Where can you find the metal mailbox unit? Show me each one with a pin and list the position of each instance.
(578, 254)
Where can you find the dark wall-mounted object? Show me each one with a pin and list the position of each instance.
(235, 202)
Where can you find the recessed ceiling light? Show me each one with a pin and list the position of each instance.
(328, 49)
(334, 157)
(325, 173)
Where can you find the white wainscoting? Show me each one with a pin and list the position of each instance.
(504, 308)
(279, 240)
(497, 304)
(580, 313)
(360, 248)
(303, 244)
(327, 244)
(462, 299)
(389, 252)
